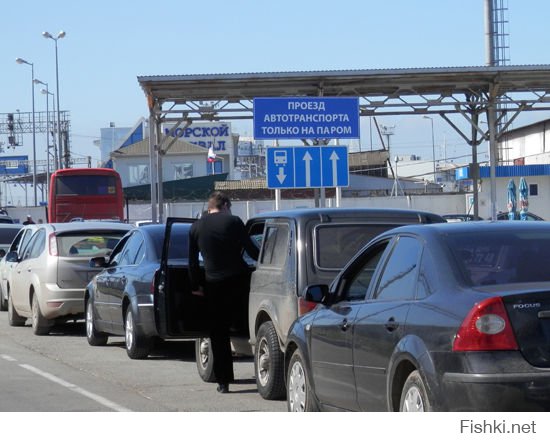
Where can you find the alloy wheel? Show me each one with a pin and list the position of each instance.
(89, 320)
(297, 388)
(129, 334)
(413, 400)
(263, 361)
(204, 352)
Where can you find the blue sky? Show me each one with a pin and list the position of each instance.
(108, 44)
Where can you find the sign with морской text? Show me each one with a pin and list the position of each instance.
(214, 134)
(278, 118)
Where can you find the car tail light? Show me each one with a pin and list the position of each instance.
(486, 327)
(52, 241)
(305, 306)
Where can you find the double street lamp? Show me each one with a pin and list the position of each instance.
(59, 142)
(21, 61)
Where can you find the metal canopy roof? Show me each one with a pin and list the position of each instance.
(381, 91)
(502, 92)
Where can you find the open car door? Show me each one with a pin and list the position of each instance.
(178, 313)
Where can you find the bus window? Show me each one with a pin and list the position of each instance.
(85, 194)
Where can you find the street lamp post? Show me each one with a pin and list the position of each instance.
(54, 143)
(59, 141)
(36, 81)
(433, 143)
(21, 61)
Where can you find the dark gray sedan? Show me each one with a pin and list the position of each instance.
(443, 317)
(119, 300)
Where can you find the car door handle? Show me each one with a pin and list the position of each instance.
(391, 325)
(345, 324)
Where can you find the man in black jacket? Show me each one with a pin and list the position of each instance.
(220, 237)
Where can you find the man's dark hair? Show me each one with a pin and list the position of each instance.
(218, 200)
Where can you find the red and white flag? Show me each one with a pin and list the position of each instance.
(211, 155)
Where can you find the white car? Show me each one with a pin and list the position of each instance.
(11, 238)
(48, 277)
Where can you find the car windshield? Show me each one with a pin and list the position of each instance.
(502, 257)
(336, 244)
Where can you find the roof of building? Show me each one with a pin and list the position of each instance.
(141, 148)
(196, 188)
(522, 129)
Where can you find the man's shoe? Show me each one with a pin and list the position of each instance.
(223, 388)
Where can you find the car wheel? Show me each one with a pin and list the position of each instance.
(137, 346)
(3, 301)
(414, 396)
(205, 359)
(299, 395)
(13, 318)
(40, 325)
(94, 337)
(269, 363)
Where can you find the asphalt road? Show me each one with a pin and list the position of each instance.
(61, 373)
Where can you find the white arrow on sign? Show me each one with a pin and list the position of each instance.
(334, 158)
(281, 176)
(307, 158)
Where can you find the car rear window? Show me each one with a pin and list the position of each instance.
(87, 243)
(336, 244)
(7, 235)
(502, 257)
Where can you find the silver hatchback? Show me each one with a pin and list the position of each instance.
(49, 275)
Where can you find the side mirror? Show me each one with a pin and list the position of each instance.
(12, 256)
(98, 261)
(318, 293)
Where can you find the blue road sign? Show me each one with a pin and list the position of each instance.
(306, 117)
(334, 169)
(280, 162)
(14, 165)
(308, 166)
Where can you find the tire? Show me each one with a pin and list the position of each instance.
(40, 325)
(3, 302)
(299, 392)
(13, 318)
(205, 359)
(93, 337)
(269, 363)
(414, 396)
(137, 346)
